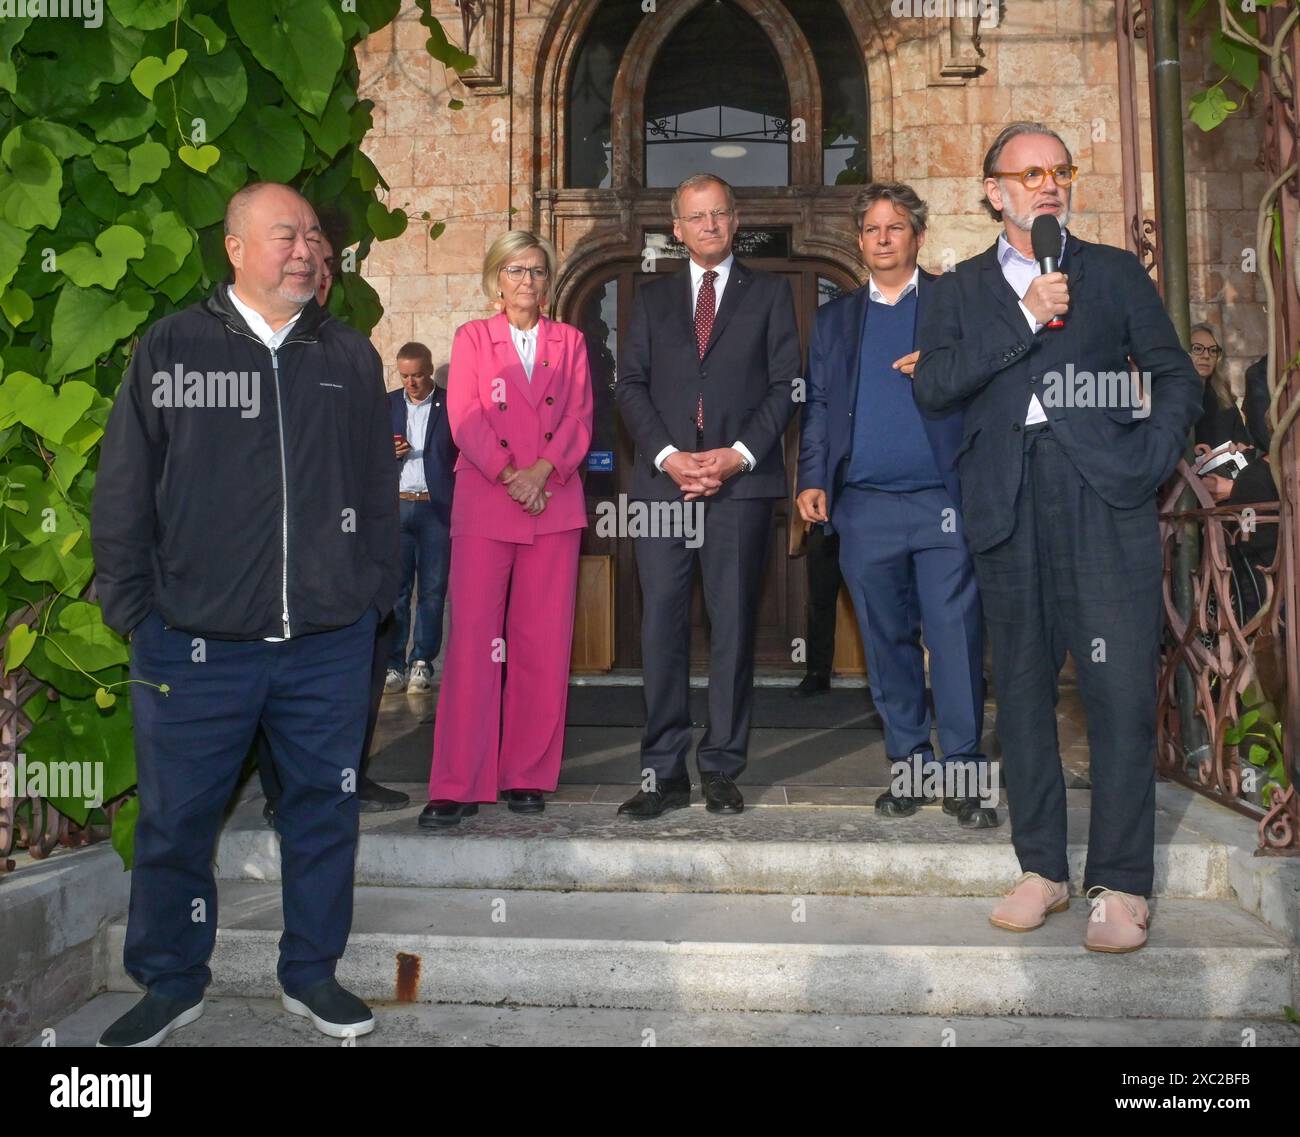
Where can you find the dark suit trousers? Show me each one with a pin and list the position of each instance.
(1076, 575)
(731, 558)
(823, 560)
(908, 569)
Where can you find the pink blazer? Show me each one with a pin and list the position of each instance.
(498, 417)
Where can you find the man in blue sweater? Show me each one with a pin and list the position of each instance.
(877, 470)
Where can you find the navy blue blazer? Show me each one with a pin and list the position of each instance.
(977, 352)
(439, 450)
(826, 438)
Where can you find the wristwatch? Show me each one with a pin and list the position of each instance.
(745, 465)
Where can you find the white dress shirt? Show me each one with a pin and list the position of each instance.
(1020, 272)
(719, 286)
(417, 431)
(526, 345)
(878, 297)
(257, 323)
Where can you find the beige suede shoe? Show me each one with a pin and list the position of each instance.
(1026, 906)
(1118, 921)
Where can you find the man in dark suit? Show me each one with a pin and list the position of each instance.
(880, 473)
(1060, 462)
(423, 445)
(706, 379)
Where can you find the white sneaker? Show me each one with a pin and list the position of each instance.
(421, 678)
(394, 681)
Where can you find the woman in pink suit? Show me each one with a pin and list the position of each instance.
(519, 403)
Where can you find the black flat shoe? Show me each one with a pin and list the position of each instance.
(333, 1010)
(672, 793)
(811, 685)
(525, 801)
(375, 798)
(970, 814)
(897, 805)
(151, 1020)
(444, 814)
(720, 793)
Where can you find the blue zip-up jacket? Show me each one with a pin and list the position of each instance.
(247, 494)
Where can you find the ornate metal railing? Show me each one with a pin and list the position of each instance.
(1229, 650)
(30, 823)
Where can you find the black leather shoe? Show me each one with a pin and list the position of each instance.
(151, 1020)
(443, 814)
(720, 793)
(812, 684)
(970, 814)
(890, 804)
(333, 1010)
(525, 801)
(670, 793)
(268, 813)
(375, 798)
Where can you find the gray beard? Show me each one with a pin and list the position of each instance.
(1021, 221)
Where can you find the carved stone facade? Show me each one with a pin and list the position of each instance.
(938, 91)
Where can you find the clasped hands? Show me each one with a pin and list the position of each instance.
(528, 486)
(701, 473)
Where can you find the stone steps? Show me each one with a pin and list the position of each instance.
(805, 850)
(696, 952)
(243, 1022)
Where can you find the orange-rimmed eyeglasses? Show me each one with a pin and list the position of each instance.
(1033, 177)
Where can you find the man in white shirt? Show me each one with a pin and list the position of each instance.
(1060, 464)
(423, 446)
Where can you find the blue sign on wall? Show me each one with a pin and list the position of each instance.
(600, 461)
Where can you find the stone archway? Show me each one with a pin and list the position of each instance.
(791, 47)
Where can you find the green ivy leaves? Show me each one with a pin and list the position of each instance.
(298, 41)
(129, 170)
(88, 322)
(150, 71)
(49, 412)
(271, 140)
(116, 245)
(29, 190)
(121, 148)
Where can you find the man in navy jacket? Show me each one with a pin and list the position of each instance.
(245, 536)
(879, 471)
(1060, 462)
(427, 455)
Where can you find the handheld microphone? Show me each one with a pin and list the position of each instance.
(1046, 238)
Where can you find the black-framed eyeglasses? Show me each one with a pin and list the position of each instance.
(516, 272)
(1034, 176)
(1200, 349)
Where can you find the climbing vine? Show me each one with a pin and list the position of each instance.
(119, 147)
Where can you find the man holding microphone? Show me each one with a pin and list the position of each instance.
(1059, 496)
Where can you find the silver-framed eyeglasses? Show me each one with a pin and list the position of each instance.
(516, 272)
(718, 215)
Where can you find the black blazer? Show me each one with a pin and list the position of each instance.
(1256, 404)
(746, 378)
(440, 451)
(976, 347)
(826, 441)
